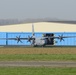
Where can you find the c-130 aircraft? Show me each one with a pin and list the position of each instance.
(38, 41)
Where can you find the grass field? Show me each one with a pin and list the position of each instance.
(43, 54)
(36, 71)
(38, 54)
(37, 57)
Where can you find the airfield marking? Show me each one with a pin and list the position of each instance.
(37, 63)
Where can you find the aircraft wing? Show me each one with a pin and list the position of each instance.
(18, 39)
(60, 37)
(13, 38)
(64, 37)
(53, 37)
(57, 37)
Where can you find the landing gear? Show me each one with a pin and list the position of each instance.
(43, 45)
(32, 45)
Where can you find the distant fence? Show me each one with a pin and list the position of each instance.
(66, 42)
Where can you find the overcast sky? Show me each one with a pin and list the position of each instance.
(23, 9)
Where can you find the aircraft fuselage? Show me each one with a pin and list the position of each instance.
(40, 41)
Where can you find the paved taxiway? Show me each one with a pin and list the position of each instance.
(37, 63)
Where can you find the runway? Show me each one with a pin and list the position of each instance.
(37, 64)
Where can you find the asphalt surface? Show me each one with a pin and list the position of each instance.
(37, 63)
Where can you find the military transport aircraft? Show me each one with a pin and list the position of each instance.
(38, 41)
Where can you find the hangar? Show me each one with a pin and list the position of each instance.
(8, 31)
(39, 27)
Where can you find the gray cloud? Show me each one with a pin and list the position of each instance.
(23, 9)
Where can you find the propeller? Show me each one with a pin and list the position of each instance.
(32, 37)
(61, 37)
(49, 39)
(18, 39)
(29, 39)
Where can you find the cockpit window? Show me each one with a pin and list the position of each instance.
(43, 35)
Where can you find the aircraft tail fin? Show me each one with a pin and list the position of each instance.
(33, 30)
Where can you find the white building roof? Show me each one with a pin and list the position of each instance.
(39, 27)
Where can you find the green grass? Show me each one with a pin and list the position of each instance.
(37, 57)
(36, 71)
